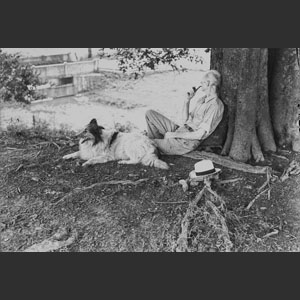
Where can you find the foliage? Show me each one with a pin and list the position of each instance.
(17, 82)
(137, 60)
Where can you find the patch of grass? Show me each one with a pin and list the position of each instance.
(40, 129)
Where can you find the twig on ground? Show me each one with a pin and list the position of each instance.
(37, 154)
(112, 194)
(229, 181)
(113, 182)
(267, 183)
(271, 234)
(39, 144)
(19, 167)
(15, 149)
(56, 145)
(279, 156)
(264, 185)
(179, 202)
(253, 201)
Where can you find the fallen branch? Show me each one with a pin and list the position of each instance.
(113, 182)
(253, 201)
(219, 227)
(182, 241)
(228, 162)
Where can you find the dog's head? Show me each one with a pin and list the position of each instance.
(92, 132)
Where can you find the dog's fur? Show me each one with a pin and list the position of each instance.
(100, 146)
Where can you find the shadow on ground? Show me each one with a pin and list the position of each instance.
(42, 194)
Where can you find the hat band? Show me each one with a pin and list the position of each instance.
(206, 172)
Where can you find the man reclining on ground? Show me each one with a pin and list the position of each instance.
(172, 139)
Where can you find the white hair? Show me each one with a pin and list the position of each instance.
(214, 77)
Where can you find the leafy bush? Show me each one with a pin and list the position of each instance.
(17, 82)
(137, 60)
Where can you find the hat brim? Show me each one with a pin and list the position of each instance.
(195, 177)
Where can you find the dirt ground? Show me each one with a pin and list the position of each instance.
(45, 201)
(39, 199)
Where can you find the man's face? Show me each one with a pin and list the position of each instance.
(204, 85)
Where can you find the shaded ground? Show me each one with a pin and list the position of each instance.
(34, 203)
(41, 195)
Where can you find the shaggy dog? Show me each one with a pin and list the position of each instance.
(98, 145)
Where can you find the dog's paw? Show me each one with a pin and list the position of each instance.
(85, 164)
(67, 157)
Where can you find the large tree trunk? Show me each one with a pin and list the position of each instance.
(284, 86)
(245, 91)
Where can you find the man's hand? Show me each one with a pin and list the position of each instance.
(190, 95)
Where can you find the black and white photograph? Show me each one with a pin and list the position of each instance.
(150, 150)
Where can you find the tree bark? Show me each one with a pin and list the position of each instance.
(245, 91)
(284, 86)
